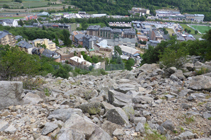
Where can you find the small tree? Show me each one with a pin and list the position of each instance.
(118, 50)
(196, 32)
(129, 64)
(21, 23)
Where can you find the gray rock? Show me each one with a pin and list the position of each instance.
(84, 126)
(49, 127)
(64, 114)
(198, 95)
(200, 82)
(168, 96)
(100, 134)
(10, 93)
(190, 98)
(168, 125)
(188, 74)
(118, 132)
(117, 116)
(118, 99)
(3, 125)
(91, 108)
(208, 106)
(185, 135)
(179, 75)
(129, 110)
(140, 128)
(207, 115)
(189, 66)
(71, 135)
(32, 98)
(110, 127)
(11, 129)
(124, 88)
(162, 130)
(142, 100)
(140, 119)
(186, 106)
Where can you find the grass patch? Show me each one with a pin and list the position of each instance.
(101, 24)
(47, 92)
(154, 135)
(201, 103)
(35, 4)
(189, 28)
(189, 120)
(201, 28)
(203, 70)
(170, 31)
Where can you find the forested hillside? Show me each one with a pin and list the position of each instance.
(121, 7)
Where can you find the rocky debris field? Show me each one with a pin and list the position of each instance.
(148, 103)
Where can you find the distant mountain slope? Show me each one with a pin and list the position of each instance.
(122, 6)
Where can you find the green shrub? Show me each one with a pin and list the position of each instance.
(203, 70)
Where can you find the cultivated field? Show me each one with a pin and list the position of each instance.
(201, 28)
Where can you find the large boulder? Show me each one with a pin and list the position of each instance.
(10, 93)
(49, 127)
(185, 135)
(91, 108)
(118, 99)
(32, 98)
(83, 126)
(168, 125)
(110, 127)
(117, 116)
(64, 114)
(179, 74)
(200, 82)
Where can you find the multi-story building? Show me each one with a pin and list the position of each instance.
(89, 41)
(49, 44)
(167, 13)
(129, 33)
(25, 46)
(156, 35)
(195, 17)
(108, 33)
(105, 32)
(116, 33)
(7, 38)
(93, 30)
(139, 10)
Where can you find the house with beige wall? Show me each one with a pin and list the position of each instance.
(7, 38)
(49, 44)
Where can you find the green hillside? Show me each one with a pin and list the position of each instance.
(121, 7)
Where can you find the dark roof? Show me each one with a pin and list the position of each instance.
(79, 36)
(8, 21)
(93, 27)
(106, 29)
(129, 31)
(28, 26)
(24, 44)
(4, 33)
(116, 31)
(18, 36)
(48, 53)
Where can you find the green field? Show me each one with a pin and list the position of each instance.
(11, 17)
(189, 28)
(35, 4)
(170, 31)
(201, 28)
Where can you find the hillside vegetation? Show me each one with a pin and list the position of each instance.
(121, 7)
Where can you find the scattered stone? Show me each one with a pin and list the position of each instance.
(49, 127)
(140, 128)
(11, 129)
(168, 125)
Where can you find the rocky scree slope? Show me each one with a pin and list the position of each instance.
(146, 103)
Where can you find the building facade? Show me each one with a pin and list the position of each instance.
(49, 44)
(7, 38)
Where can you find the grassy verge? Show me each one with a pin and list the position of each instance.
(201, 29)
(11, 17)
